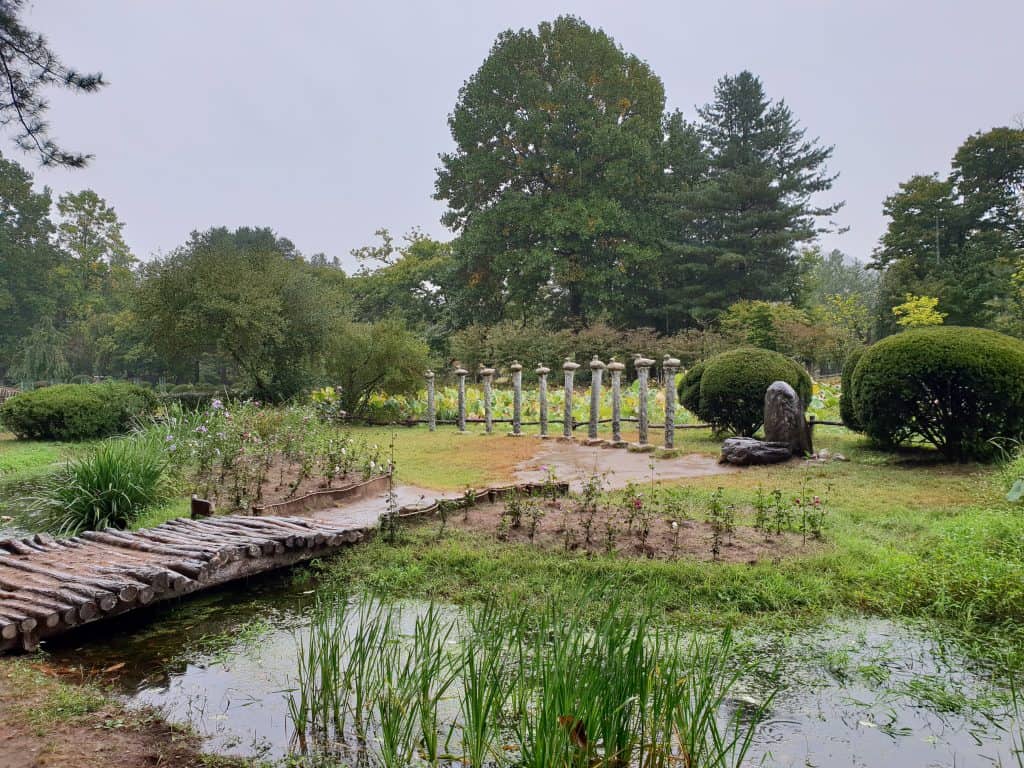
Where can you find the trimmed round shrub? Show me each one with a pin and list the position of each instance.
(689, 388)
(847, 412)
(732, 386)
(960, 389)
(76, 411)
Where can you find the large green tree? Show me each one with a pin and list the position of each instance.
(737, 231)
(97, 281)
(29, 261)
(246, 296)
(28, 66)
(557, 140)
(960, 238)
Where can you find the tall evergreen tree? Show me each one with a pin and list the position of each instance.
(737, 233)
(27, 67)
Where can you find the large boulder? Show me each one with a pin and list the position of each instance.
(744, 451)
(784, 420)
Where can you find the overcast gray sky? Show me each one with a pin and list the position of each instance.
(324, 119)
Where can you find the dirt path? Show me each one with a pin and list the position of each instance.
(576, 463)
(47, 722)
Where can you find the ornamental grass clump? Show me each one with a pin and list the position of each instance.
(107, 487)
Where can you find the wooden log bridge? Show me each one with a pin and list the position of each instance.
(48, 586)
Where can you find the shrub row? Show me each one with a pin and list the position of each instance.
(76, 411)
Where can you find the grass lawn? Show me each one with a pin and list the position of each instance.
(906, 536)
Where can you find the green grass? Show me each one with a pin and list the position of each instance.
(25, 459)
(906, 536)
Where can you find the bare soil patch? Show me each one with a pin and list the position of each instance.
(563, 527)
(576, 463)
(45, 721)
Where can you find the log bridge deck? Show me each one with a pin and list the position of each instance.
(48, 586)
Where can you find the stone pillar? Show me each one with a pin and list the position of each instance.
(487, 374)
(569, 369)
(542, 397)
(517, 398)
(462, 373)
(596, 373)
(431, 405)
(643, 370)
(615, 369)
(669, 367)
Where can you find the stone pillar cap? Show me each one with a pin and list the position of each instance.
(486, 371)
(671, 362)
(569, 365)
(597, 365)
(516, 366)
(642, 362)
(460, 371)
(615, 365)
(429, 374)
(542, 370)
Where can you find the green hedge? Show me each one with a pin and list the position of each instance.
(847, 411)
(727, 390)
(76, 411)
(960, 389)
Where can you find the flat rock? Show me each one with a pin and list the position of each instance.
(744, 451)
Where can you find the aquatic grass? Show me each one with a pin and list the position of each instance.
(534, 689)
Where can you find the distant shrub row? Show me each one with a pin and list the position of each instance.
(76, 411)
(959, 389)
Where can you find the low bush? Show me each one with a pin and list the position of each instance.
(689, 388)
(76, 411)
(733, 385)
(959, 389)
(108, 487)
(847, 411)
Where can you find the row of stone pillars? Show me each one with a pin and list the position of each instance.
(670, 366)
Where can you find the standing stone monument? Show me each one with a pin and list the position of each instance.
(670, 366)
(596, 374)
(569, 369)
(431, 404)
(542, 397)
(517, 398)
(615, 369)
(461, 373)
(643, 371)
(487, 374)
(784, 420)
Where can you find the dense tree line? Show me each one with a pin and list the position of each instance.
(586, 218)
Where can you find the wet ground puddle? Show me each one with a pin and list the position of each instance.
(862, 692)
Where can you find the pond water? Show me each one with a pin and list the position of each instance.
(859, 692)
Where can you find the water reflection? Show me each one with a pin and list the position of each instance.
(853, 692)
